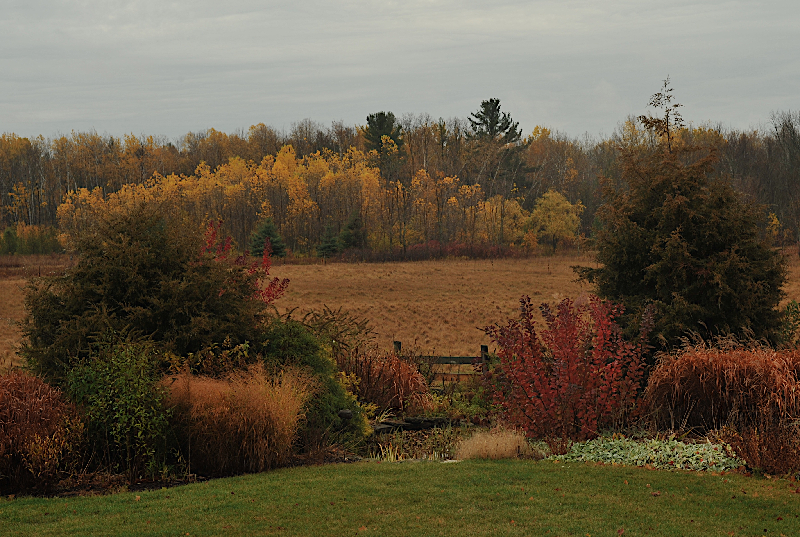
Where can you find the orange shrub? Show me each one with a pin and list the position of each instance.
(247, 422)
(708, 388)
(752, 395)
(40, 432)
(385, 379)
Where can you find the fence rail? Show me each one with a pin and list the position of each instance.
(483, 359)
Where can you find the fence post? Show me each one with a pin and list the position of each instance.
(397, 347)
(485, 358)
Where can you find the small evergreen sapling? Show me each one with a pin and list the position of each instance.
(267, 231)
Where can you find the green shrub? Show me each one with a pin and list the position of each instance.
(9, 241)
(25, 240)
(290, 344)
(673, 234)
(124, 407)
(40, 433)
(142, 272)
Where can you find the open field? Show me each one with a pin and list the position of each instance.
(436, 306)
(470, 498)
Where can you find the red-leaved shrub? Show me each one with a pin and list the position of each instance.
(571, 379)
(751, 394)
(385, 379)
(40, 433)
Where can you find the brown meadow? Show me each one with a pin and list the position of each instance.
(437, 307)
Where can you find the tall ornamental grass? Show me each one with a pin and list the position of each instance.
(41, 433)
(752, 395)
(246, 422)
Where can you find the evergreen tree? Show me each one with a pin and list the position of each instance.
(267, 230)
(674, 235)
(143, 274)
(354, 235)
(489, 123)
(379, 125)
(329, 246)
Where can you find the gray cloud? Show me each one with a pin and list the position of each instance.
(579, 66)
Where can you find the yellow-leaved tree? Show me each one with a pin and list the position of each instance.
(554, 219)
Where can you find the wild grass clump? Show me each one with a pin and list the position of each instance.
(247, 422)
(438, 443)
(385, 380)
(40, 433)
(751, 394)
(497, 443)
(707, 388)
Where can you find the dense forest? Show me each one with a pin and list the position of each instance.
(388, 185)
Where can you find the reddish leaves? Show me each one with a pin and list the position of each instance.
(267, 289)
(572, 378)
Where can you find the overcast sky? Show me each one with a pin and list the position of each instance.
(169, 67)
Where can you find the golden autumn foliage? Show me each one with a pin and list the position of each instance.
(305, 194)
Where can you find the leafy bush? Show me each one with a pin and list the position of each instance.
(662, 454)
(576, 377)
(291, 344)
(385, 380)
(247, 422)
(127, 421)
(752, 394)
(466, 400)
(40, 433)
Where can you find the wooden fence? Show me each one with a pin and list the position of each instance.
(451, 374)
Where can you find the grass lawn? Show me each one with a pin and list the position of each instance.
(426, 498)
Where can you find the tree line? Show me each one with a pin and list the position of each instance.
(393, 182)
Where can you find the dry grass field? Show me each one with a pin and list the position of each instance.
(436, 307)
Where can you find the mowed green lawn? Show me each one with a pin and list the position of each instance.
(428, 498)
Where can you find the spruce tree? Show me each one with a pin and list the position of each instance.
(329, 246)
(267, 230)
(675, 235)
(354, 235)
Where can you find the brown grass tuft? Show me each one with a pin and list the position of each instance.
(247, 422)
(709, 388)
(496, 444)
(40, 433)
(385, 380)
